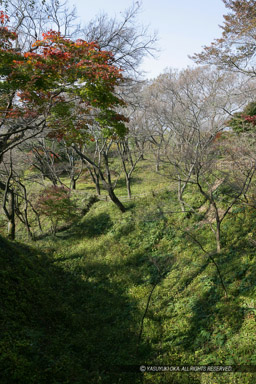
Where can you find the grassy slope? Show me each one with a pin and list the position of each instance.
(73, 305)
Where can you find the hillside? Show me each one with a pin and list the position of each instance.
(126, 289)
(127, 206)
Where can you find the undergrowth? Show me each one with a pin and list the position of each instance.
(128, 289)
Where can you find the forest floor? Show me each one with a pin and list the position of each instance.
(116, 290)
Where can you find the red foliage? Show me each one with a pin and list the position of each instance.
(250, 119)
(217, 136)
(6, 36)
(3, 17)
(57, 68)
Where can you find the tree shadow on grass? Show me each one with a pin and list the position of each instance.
(121, 183)
(214, 319)
(90, 227)
(62, 326)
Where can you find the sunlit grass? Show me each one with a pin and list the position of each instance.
(92, 283)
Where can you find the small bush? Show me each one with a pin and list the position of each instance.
(55, 203)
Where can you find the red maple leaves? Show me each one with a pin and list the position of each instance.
(64, 81)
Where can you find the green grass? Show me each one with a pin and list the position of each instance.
(73, 303)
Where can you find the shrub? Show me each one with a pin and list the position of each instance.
(55, 203)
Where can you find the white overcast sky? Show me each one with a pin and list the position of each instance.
(183, 26)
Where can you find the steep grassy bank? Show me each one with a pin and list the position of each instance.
(74, 304)
(58, 326)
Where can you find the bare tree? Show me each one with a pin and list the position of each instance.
(190, 107)
(74, 164)
(223, 174)
(126, 38)
(93, 150)
(129, 161)
(17, 202)
(104, 171)
(235, 50)
(45, 159)
(30, 19)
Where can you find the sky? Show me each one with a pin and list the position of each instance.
(183, 26)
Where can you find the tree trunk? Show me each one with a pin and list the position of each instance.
(30, 234)
(106, 183)
(97, 183)
(11, 230)
(180, 198)
(128, 186)
(158, 160)
(115, 199)
(95, 178)
(218, 236)
(73, 184)
(11, 216)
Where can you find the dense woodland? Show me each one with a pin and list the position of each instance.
(128, 206)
